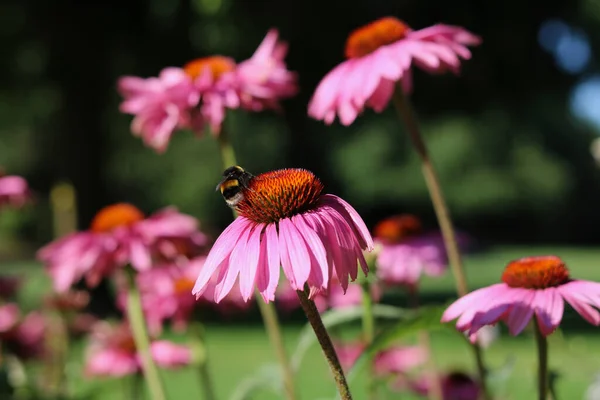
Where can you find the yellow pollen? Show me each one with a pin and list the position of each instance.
(397, 228)
(184, 286)
(536, 272)
(217, 65)
(279, 194)
(114, 216)
(370, 37)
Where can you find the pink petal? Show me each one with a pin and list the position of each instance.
(248, 271)
(273, 259)
(297, 251)
(236, 263)
(520, 314)
(549, 306)
(315, 246)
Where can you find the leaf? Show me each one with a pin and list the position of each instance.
(426, 318)
(333, 318)
(268, 377)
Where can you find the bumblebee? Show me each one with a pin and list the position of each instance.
(235, 181)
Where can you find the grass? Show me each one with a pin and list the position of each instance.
(239, 350)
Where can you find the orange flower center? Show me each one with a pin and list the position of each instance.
(217, 65)
(397, 228)
(279, 194)
(184, 285)
(111, 217)
(536, 272)
(370, 37)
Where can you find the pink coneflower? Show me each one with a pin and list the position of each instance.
(255, 84)
(166, 294)
(531, 286)
(112, 352)
(285, 220)
(14, 190)
(9, 316)
(394, 361)
(405, 253)
(379, 55)
(454, 385)
(26, 338)
(160, 105)
(119, 235)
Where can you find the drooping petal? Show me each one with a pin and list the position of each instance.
(520, 314)
(297, 251)
(248, 271)
(236, 263)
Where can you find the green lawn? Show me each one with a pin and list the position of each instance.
(239, 351)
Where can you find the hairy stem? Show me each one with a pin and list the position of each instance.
(142, 341)
(314, 318)
(542, 347)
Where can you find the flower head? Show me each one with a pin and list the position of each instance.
(14, 190)
(406, 253)
(286, 220)
(255, 84)
(160, 105)
(120, 234)
(381, 54)
(112, 352)
(531, 286)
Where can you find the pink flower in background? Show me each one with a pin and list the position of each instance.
(264, 78)
(9, 316)
(14, 190)
(460, 386)
(112, 352)
(405, 254)
(531, 286)
(337, 298)
(255, 84)
(119, 235)
(393, 361)
(285, 220)
(26, 339)
(160, 105)
(379, 55)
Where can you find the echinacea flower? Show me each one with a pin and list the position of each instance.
(405, 253)
(286, 220)
(379, 55)
(119, 235)
(531, 286)
(25, 339)
(166, 294)
(112, 352)
(160, 105)
(256, 84)
(9, 316)
(14, 190)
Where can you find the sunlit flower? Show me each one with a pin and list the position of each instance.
(119, 235)
(406, 253)
(255, 84)
(14, 190)
(166, 294)
(379, 55)
(160, 105)
(286, 220)
(531, 286)
(112, 352)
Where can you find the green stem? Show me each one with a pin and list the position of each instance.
(407, 114)
(205, 378)
(368, 326)
(267, 310)
(424, 339)
(313, 316)
(542, 347)
(142, 341)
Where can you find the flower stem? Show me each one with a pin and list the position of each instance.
(142, 341)
(267, 310)
(406, 112)
(313, 316)
(204, 372)
(542, 347)
(368, 326)
(424, 339)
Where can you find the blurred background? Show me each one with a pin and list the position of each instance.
(514, 137)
